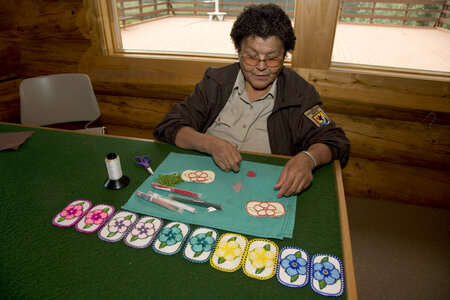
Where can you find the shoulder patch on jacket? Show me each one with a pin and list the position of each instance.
(317, 115)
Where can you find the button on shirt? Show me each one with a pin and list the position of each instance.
(243, 123)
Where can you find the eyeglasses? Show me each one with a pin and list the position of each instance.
(253, 61)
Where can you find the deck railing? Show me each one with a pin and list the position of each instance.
(430, 13)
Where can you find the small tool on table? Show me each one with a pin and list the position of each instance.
(198, 202)
(144, 161)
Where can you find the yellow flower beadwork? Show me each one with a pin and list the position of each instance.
(228, 250)
(261, 258)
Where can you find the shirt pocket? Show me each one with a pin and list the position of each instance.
(260, 126)
(226, 119)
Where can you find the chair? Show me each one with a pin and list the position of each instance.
(60, 98)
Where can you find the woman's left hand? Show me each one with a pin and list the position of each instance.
(295, 176)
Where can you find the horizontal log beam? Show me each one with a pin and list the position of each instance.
(395, 182)
(134, 112)
(400, 142)
(355, 108)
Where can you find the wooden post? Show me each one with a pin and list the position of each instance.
(442, 14)
(372, 12)
(405, 14)
(121, 13)
(315, 26)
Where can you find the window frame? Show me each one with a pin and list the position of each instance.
(314, 26)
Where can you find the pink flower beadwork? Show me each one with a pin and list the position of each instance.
(96, 217)
(72, 211)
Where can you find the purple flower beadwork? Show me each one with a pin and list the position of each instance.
(143, 230)
(119, 225)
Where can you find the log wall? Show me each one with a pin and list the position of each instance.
(395, 155)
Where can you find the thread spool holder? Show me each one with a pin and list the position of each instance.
(117, 184)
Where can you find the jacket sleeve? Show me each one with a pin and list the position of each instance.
(310, 133)
(193, 112)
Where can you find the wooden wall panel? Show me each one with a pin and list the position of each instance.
(9, 56)
(9, 99)
(400, 142)
(134, 112)
(358, 108)
(9, 39)
(396, 182)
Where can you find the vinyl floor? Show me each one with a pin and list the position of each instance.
(400, 251)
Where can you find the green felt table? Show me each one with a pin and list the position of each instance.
(40, 260)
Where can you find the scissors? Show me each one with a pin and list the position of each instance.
(144, 161)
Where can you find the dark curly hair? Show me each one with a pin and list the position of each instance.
(263, 20)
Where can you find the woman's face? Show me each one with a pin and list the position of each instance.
(261, 61)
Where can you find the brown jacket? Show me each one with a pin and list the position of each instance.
(290, 131)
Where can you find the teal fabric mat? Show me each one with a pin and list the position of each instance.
(234, 216)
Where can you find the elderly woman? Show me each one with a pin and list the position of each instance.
(258, 105)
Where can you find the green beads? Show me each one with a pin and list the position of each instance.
(171, 179)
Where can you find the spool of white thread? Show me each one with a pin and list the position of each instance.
(112, 161)
(116, 180)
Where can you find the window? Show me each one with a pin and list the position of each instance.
(320, 26)
(174, 27)
(410, 36)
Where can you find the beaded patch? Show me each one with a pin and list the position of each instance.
(327, 275)
(200, 244)
(171, 238)
(293, 267)
(71, 213)
(229, 252)
(261, 259)
(265, 209)
(95, 218)
(206, 176)
(117, 227)
(143, 232)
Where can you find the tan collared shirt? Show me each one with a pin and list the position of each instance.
(243, 123)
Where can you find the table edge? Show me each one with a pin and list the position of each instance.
(349, 269)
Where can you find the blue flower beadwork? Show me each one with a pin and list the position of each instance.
(326, 273)
(294, 265)
(202, 242)
(170, 236)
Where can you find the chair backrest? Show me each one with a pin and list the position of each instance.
(59, 98)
